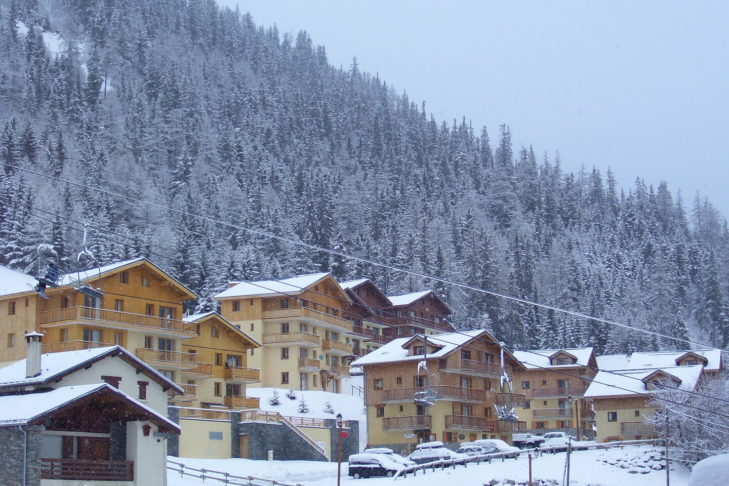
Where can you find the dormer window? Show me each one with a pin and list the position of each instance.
(417, 350)
(690, 362)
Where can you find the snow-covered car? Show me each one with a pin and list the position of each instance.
(499, 445)
(391, 454)
(366, 465)
(433, 451)
(474, 450)
(526, 440)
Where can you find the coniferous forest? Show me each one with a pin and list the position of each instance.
(188, 110)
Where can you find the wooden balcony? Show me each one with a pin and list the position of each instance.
(242, 375)
(510, 399)
(116, 320)
(241, 402)
(370, 335)
(339, 369)
(311, 316)
(573, 391)
(412, 422)
(636, 429)
(205, 414)
(465, 422)
(336, 347)
(72, 346)
(587, 415)
(293, 338)
(309, 364)
(189, 395)
(204, 370)
(473, 368)
(443, 392)
(510, 427)
(87, 470)
(167, 359)
(553, 413)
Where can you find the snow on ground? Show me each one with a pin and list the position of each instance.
(711, 471)
(350, 404)
(589, 468)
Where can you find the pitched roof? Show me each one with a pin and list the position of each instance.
(407, 299)
(540, 358)
(194, 318)
(629, 382)
(350, 284)
(656, 359)
(264, 288)
(14, 282)
(55, 366)
(76, 278)
(29, 407)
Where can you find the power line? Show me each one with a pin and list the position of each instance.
(293, 241)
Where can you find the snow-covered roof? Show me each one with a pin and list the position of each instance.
(655, 359)
(629, 382)
(539, 358)
(22, 409)
(205, 315)
(74, 277)
(407, 299)
(350, 284)
(394, 351)
(57, 365)
(199, 316)
(14, 282)
(263, 288)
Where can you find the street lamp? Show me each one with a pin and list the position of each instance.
(339, 448)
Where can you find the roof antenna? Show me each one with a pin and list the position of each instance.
(83, 258)
(425, 396)
(505, 406)
(48, 276)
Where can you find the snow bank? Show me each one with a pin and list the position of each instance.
(712, 471)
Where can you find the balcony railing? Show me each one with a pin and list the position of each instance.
(200, 369)
(443, 392)
(301, 338)
(465, 422)
(412, 422)
(87, 470)
(338, 369)
(308, 315)
(309, 364)
(633, 429)
(243, 375)
(587, 415)
(117, 320)
(72, 346)
(241, 402)
(553, 413)
(371, 335)
(336, 347)
(189, 393)
(575, 391)
(206, 414)
(511, 427)
(167, 359)
(480, 367)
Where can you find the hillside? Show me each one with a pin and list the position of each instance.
(187, 110)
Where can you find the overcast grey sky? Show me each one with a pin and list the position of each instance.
(641, 87)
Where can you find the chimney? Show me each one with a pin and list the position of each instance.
(34, 341)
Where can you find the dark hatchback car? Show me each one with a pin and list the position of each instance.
(367, 465)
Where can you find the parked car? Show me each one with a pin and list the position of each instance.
(366, 465)
(526, 440)
(391, 454)
(500, 446)
(472, 450)
(560, 441)
(433, 451)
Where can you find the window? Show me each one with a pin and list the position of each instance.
(118, 338)
(11, 308)
(124, 277)
(63, 335)
(217, 389)
(147, 342)
(232, 390)
(145, 281)
(419, 350)
(11, 340)
(112, 380)
(314, 380)
(539, 425)
(581, 371)
(253, 327)
(636, 413)
(612, 416)
(525, 385)
(236, 305)
(284, 303)
(213, 435)
(398, 380)
(487, 412)
(167, 312)
(544, 403)
(465, 382)
(233, 361)
(285, 378)
(691, 362)
(92, 335)
(118, 305)
(527, 405)
(380, 411)
(284, 328)
(466, 410)
(379, 383)
(149, 309)
(466, 354)
(218, 359)
(486, 384)
(401, 408)
(64, 302)
(284, 353)
(564, 424)
(142, 389)
(544, 382)
(214, 332)
(563, 384)
(489, 358)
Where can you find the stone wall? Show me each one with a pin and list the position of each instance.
(11, 467)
